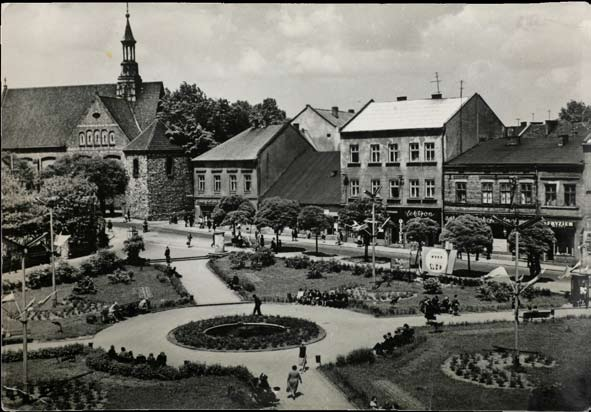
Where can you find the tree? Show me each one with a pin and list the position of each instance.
(533, 242)
(108, 175)
(133, 247)
(23, 218)
(266, 113)
(468, 233)
(358, 211)
(575, 112)
(312, 218)
(421, 230)
(21, 170)
(277, 213)
(233, 210)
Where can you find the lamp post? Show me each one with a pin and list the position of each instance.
(373, 196)
(49, 204)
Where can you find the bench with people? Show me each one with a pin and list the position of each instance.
(126, 356)
(337, 298)
(402, 336)
(116, 312)
(262, 391)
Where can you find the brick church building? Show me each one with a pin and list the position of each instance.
(113, 121)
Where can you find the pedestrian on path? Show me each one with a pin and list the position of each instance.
(262, 240)
(302, 359)
(109, 225)
(257, 306)
(145, 225)
(186, 219)
(167, 255)
(208, 225)
(189, 238)
(293, 380)
(128, 216)
(191, 220)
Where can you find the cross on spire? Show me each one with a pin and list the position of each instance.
(461, 88)
(127, 10)
(436, 81)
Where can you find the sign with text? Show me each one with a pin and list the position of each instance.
(438, 261)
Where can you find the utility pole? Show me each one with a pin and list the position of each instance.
(373, 240)
(24, 319)
(54, 289)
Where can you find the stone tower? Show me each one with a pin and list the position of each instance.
(129, 82)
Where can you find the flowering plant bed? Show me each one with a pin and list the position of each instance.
(246, 333)
(495, 369)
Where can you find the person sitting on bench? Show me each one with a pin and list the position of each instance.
(144, 305)
(112, 352)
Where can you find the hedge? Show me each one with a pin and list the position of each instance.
(46, 353)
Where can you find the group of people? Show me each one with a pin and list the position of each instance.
(127, 357)
(433, 306)
(263, 391)
(373, 404)
(116, 312)
(337, 298)
(402, 336)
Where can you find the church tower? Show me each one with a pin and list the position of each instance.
(129, 83)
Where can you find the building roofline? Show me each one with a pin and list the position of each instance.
(356, 114)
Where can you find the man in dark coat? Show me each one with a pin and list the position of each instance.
(257, 306)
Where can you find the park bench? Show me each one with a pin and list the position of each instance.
(537, 314)
(436, 325)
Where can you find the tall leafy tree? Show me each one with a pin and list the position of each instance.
(312, 218)
(422, 230)
(277, 213)
(21, 170)
(533, 242)
(468, 233)
(233, 210)
(266, 113)
(358, 211)
(108, 175)
(133, 247)
(575, 112)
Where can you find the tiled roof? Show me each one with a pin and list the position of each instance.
(45, 116)
(343, 118)
(153, 139)
(536, 151)
(246, 145)
(405, 114)
(120, 109)
(312, 179)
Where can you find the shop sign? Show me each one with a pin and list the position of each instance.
(410, 213)
(558, 224)
(436, 261)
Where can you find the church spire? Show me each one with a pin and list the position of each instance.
(129, 82)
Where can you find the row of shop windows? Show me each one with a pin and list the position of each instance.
(96, 138)
(232, 183)
(525, 194)
(393, 153)
(414, 188)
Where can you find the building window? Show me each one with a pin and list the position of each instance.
(354, 153)
(550, 198)
(136, 168)
(374, 153)
(429, 188)
(112, 138)
(505, 193)
(461, 192)
(526, 191)
(375, 185)
(414, 152)
(415, 189)
(97, 138)
(394, 189)
(487, 192)
(89, 137)
(201, 183)
(247, 183)
(217, 183)
(233, 183)
(82, 138)
(105, 138)
(429, 152)
(354, 187)
(169, 167)
(570, 195)
(393, 154)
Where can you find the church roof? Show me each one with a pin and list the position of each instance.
(44, 117)
(153, 139)
(128, 36)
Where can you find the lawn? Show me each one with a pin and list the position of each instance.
(208, 392)
(75, 323)
(417, 374)
(275, 282)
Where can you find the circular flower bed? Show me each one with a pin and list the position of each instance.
(246, 333)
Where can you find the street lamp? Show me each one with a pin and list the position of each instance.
(49, 203)
(373, 196)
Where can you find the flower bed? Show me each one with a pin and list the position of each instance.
(291, 333)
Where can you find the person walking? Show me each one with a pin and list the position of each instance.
(109, 225)
(262, 240)
(189, 238)
(145, 225)
(303, 359)
(128, 216)
(191, 220)
(167, 255)
(208, 225)
(293, 380)
(257, 306)
(455, 306)
(186, 219)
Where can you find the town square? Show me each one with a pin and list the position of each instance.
(296, 206)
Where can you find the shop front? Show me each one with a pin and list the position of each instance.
(394, 231)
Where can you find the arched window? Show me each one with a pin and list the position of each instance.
(97, 138)
(89, 137)
(136, 168)
(105, 138)
(112, 138)
(169, 168)
(82, 138)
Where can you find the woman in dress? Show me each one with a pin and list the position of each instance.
(293, 380)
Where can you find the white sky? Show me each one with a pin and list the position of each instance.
(522, 59)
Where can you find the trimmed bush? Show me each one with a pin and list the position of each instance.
(263, 257)
(46, 353)
(432, 286)
(359, 356)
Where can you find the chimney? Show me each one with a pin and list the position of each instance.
(551, 126)
(435, 96)
(351, 111)
(335, 111)
(401, 98)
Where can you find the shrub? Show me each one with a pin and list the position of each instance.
(46, 353)
(238, 259)
(359, 356)
(298, 262)
(432, 286)
(248, 286)
(314, 273)
(341, 361)
(263, 257)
